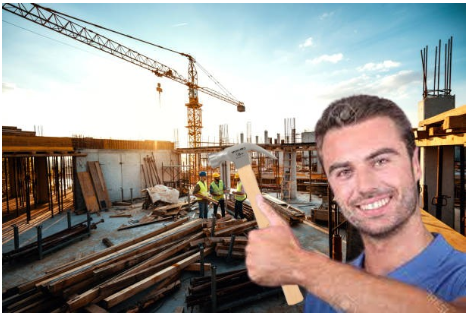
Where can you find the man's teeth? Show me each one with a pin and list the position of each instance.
(375, 205)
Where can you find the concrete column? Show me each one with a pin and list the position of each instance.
(427, 108)
(42, 180)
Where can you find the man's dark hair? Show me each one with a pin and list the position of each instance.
(358, 108)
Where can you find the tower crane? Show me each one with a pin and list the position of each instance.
(59, 22)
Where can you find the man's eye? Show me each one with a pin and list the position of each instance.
(344, 173)
(380, 162)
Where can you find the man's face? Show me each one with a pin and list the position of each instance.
(217, 179)
(372, 175)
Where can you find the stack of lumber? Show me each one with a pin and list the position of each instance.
(146, 268)
(233, 289)
(93, 188)
(246, 209)
(160, 214)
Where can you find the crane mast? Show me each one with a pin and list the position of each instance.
(56, 21)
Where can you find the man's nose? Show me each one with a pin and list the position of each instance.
(366, 180)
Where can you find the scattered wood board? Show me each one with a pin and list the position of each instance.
(88, 191)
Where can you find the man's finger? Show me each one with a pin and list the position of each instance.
(269, 212)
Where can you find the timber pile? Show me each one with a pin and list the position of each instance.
(150, 172)
(163, 213)
(247, 209)
(103, 280)
(233, 289)
(291, 214)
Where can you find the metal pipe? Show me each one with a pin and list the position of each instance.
(89, 223)
(16, 237)
(68, 219)
(231, 248)
(330, 225)
(439, 183)
(40, 241)
(462, 204)
(213, 288)
(201, 252)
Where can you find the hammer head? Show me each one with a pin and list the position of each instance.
(237, 154)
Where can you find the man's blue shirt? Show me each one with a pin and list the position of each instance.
(439, 269)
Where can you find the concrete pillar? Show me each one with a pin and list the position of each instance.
(427, 108)
(42, 180)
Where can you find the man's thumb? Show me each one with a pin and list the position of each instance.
(273, 218)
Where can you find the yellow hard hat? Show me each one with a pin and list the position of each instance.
(216, 175)
(236, 176)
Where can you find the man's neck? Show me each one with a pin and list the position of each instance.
(383, 256)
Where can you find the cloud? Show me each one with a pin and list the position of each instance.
(8, 87)
(326, 15)
(307, 43)
(180, 24)
(326, 58)
(385, 66)
(394, 85)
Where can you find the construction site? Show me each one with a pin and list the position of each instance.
(105, 225)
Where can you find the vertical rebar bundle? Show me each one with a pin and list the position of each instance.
(448, 59)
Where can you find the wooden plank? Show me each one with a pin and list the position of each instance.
(196, 267)
(155, 278)
(76, 274)
(94, 308)
(450, 139)
(434, 225)
(99, 184)
(455, 122)
(89, 258)
(440, 117)
(179, 309)
(88, 191)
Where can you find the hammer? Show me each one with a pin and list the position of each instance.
(239, 155)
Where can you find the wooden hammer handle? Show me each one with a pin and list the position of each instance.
(292, 292)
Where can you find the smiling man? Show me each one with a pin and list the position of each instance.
(366, 146)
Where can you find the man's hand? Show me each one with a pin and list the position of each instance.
(272, 253)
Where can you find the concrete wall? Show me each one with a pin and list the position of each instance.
(122, 169)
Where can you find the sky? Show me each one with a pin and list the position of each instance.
(283, 61)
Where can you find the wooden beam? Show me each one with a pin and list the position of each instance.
(455, 122)
(155, 278)
(196, 267)
(64, 268)
(440, 117)
(94, 308)
(451, 139)
(434, 225)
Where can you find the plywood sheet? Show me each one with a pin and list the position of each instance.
(88, 191)
(99, 184)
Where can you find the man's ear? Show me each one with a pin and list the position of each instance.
(416, 164)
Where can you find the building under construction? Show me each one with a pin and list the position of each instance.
(103, 225)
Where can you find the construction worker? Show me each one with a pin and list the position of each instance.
(217, 191)
(199, 191)
(240, 196)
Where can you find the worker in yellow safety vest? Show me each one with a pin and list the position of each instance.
(199, 191)
(240, 197)
(217, 191)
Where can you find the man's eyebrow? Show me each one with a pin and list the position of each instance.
(371, 156)
(381, 151)
(338, 165)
